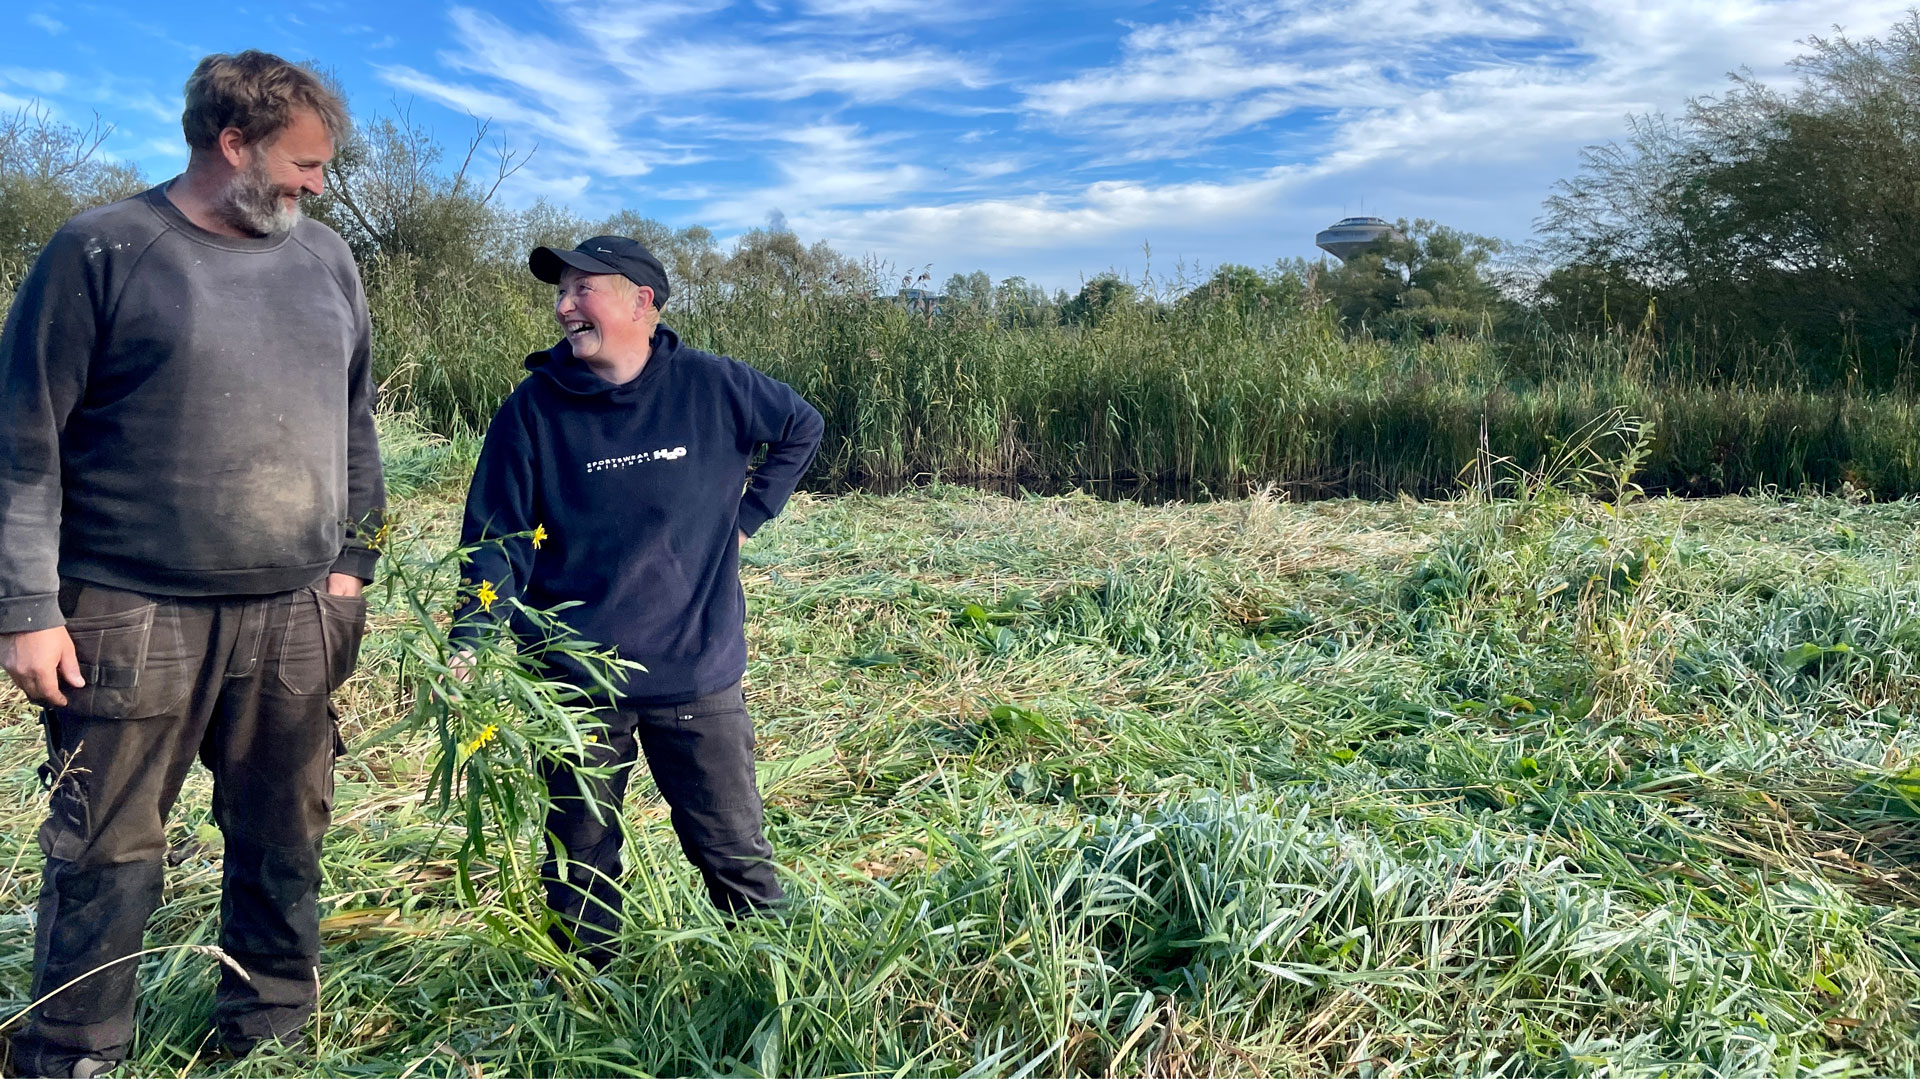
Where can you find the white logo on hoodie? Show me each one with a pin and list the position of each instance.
(604, 464)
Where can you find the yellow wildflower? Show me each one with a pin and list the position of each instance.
(486, 596)
(486, 736)
(539, 534)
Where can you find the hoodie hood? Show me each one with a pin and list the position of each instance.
(571, 374)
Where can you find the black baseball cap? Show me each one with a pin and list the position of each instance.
(603, 255)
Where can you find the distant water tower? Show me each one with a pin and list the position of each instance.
(1350, 236)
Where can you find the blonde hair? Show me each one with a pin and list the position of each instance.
(256, 92)
(627, 287)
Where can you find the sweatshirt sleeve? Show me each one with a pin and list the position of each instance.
(500, 511)
(791, 429)
(45, 353)
(366, 484)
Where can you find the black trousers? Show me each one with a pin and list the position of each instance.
(701, 757)
(242, 684)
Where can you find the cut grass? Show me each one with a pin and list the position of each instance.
(1064, 786)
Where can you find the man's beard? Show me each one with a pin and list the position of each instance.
(254, 204)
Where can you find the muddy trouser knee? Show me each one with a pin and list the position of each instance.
(701, 756)
(241, 683)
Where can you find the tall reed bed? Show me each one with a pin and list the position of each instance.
(1222, 395)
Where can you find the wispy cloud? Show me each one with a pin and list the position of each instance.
(823, 165)
(858, 16)
(1405, 77)
(1046, 140)
(34, 80)
(610, 87)
(1093, 214)
(601, 51)
(112, 96)
(887, 125)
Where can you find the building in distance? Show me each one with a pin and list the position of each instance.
(1350, 236)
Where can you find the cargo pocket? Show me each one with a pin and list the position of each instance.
(131, 661)
(69, 824)
(320, 644)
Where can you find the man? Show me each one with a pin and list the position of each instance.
(613, 478)
(190, 473)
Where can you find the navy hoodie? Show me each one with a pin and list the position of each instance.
(638, 489)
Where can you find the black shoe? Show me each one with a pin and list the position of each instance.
(15, 1061)
(292, 1042)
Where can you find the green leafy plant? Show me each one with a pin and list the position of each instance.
(495, 711)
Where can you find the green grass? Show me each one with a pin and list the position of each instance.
(1534, 786)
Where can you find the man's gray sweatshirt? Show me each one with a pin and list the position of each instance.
(183, 413)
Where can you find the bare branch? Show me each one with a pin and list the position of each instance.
(473, 145)
(508, 165)
(341, 191)
(507, 161)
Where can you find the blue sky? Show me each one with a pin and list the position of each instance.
(1053, 141)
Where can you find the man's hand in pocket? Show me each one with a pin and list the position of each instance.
(39, 661)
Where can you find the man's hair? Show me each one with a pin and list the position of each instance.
(256, 92)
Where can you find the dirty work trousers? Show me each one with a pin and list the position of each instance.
(701, 757)
(241, 683)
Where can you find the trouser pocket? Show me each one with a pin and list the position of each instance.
(130, 653)
(320, 640)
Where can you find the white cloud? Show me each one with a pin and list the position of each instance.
(47, 22)
(822, 165)
(856, 16)
(1093, 214)
(1404, 77)
(605, 52)
(589, 135)
(1228, 130)
(617, 90)
(565, 188)
(111, 96)
(1450, 126)
(170, 151)
(34, 81)
(988, 168)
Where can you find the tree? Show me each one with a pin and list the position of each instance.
(1097, 300)
(1593, 298)
(541, 224)
(777, 259)
(1245, 290)
(969, 292)
(50, 171)
(1018, 302)
(1763, 216)
(1429, 279)
(388, 195)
